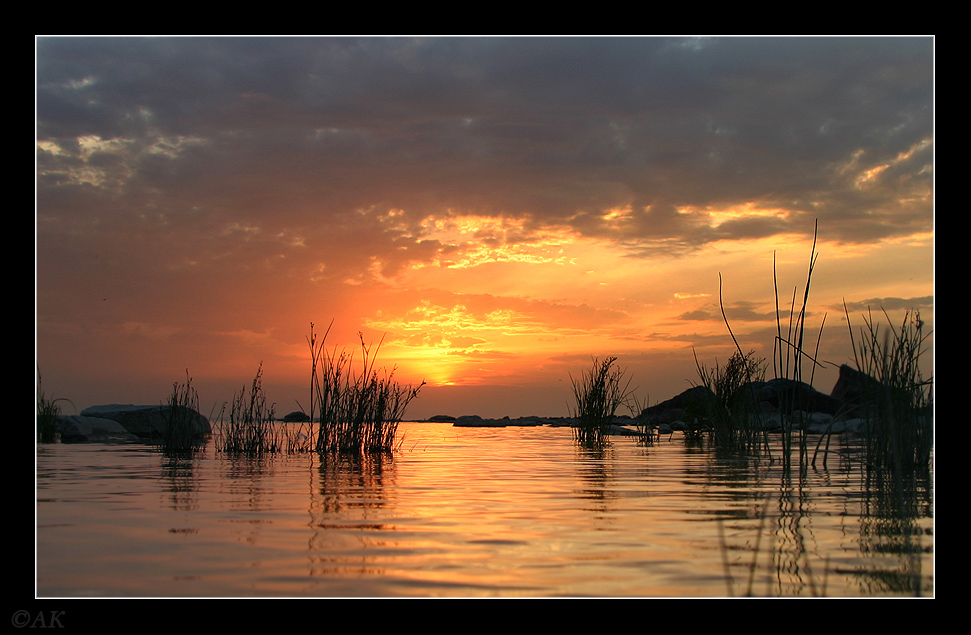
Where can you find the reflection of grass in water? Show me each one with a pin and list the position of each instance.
(890, 527)
(783, 557)
(789, 554)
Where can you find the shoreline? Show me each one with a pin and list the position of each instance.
(475, 421)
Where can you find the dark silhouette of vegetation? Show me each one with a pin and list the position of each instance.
(734, 414)
(178, 433)
(47, 412)
(899, 422)
(359, 409)
(744, 429)
(251, 428)
(598, 394)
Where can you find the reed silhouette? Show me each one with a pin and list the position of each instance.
(47, 412)
(898, 405)
(898, 422)
(598, 393)
(359, 408)
(180, 416)
(733, 415)
(252, 428)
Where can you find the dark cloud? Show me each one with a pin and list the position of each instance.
(555, 129)
(877, 305)
(700, 315)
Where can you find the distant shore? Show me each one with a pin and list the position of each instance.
(475, 421)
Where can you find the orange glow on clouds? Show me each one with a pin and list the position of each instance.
(470, 241)
(748, 210)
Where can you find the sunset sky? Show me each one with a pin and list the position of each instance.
(498, 210)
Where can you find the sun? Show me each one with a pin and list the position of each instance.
(432, 365)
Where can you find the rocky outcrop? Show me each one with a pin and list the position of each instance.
(789, 395)
(857, 390)
(778, 403)
(81, 429)
(475, 421)
(296, 416)
(620, 424)
(686, 406)
(146, 422)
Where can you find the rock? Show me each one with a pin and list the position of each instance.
(626, 432)
(788, 395)
(854, 425)
(146, 422)
(814, 422)
(442, 419)
(775, 402)
(856, 390)
(776, 405)
(475, 421)
(531, 420)
(296, 416)
(688, 405)
(82, 429)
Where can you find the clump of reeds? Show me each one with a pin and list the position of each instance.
(47, 411)
(733, 414)
(359, 409)
(181, 415)
(251, 428)
(598, 394)
(899, 426)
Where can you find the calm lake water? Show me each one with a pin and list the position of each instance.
(471, 512)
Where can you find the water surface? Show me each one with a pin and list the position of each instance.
(472, 512)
